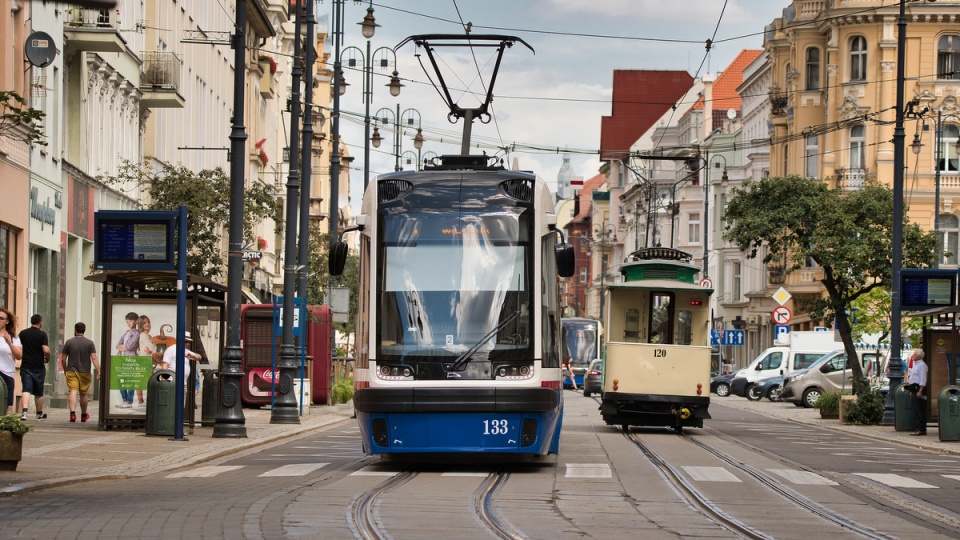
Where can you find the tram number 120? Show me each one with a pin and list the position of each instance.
(496, 427)
(659, 353)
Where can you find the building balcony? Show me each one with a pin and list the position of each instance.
(93, 30)
(851, 179)
(160, 80)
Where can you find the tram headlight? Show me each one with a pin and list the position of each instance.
(395, 372)
(513, 373)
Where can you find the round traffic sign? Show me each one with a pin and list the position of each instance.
(706, 283)
(781, 315)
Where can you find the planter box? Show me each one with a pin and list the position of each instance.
(845, 403)
(830, 414)
(11, 450)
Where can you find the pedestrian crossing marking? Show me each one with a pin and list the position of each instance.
(477, 474)
(803, 477)
(895, 480)
(588, 470)
(952, 476)
(370, 471)
(205, 472)
(295, 469)
(710, 474)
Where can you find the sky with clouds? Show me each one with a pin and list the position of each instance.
(550, 98)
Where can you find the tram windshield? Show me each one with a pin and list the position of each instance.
(455, 291)
(580, 342)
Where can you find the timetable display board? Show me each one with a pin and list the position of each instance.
(922, 289)
(134, 240)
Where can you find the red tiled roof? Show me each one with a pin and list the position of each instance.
(725, 94)
(586, 196)
(640, 97)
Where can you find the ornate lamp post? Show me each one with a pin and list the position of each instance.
(706, 210)
(939, 163)
(409, 117)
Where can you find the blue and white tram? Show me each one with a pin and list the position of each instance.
(581, 345)
(459, 316)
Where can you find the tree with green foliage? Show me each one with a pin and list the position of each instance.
(206, 194)
(848, 234)
(19, 121)
(872, 314)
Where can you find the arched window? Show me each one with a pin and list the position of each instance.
(948, 148)
(812, 152)
(858, 140)
(858, 58)
(813, 68)
(949, 236)
(948, 57)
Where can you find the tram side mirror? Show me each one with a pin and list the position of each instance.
(338, 258)
(565, 259)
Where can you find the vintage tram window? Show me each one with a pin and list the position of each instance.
(631, 326)
(684, 327)
(661, 318)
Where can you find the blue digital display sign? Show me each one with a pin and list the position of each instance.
(134, 240)
(922, 289)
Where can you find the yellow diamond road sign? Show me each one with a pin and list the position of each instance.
(782, 296)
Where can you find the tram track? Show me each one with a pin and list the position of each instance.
(363, 520)
(709, 508)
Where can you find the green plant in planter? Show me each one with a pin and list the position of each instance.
(342, 391)
(867, 409)
(828, 401)
(13, 423)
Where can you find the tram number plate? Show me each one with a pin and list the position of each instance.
(496, 427)
(659, 353)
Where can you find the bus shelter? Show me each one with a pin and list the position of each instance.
(139, 324)
(940, 346)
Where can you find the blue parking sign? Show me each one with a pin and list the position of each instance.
(780, 332)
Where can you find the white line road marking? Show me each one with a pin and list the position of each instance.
(479, 474)
(895, 480)
(952, 476)
(588, 470)
(205, 472)
(368, 471)
(710, 474)
(803, 477)
(295, 469)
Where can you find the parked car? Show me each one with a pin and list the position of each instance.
(769, 388)
(720, 385)
(593, 379)
(832, 373)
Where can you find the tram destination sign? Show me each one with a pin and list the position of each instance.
(134, 240)
(927, 288)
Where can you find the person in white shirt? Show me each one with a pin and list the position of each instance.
(916, 382)
(170, 357)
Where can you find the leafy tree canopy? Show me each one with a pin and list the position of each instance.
(18, 121)
(848, 234)
(206, 194)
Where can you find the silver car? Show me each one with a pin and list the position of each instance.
(831, 373)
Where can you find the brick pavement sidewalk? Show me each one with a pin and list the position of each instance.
(59, 452)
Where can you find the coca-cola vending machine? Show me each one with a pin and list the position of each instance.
(260, 335)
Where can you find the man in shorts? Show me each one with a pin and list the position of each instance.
(33, 369)
(76, 358)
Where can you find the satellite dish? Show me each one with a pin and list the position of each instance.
(40, 49)
(731, 113)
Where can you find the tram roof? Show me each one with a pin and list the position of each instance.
(659, 284)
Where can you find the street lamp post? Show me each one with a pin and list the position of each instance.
(706, 212)
(939, 163)
(230, 421)
(407, 117)
(367, 61)
(604, 231)
(896, 339)
(284, 409)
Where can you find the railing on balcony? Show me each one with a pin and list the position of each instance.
(778, 102)
(851, 178)
(161, 70)
(90, 18)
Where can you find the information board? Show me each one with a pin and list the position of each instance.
(922, 289)
(134, 240)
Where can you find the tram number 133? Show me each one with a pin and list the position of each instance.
(496, 427)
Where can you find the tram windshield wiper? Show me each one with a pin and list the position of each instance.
(465, 357)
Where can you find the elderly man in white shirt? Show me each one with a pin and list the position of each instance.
(170, 357)
(916, 382)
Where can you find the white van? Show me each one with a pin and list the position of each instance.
(803, 349)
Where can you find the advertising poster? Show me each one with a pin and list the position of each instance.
(140, 331)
